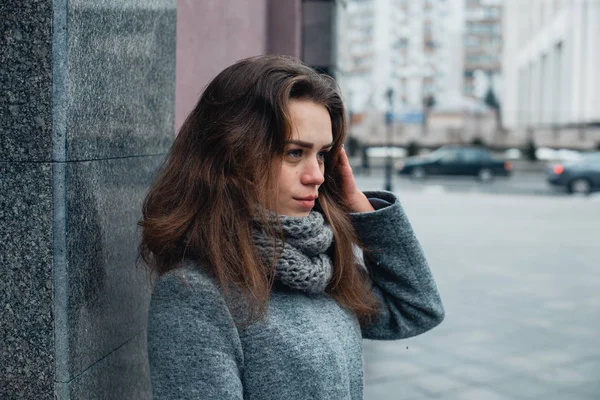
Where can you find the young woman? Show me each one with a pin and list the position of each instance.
(251, 229)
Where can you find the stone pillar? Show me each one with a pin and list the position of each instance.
(317, 33)
(212, 35)
(284, 27)
(86, 116)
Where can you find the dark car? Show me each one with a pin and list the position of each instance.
(581, 176)
(451, 160)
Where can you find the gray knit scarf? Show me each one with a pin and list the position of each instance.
(303, 264)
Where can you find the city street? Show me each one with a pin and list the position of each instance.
(521, 182)
(519, 277)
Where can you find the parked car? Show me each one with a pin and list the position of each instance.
(456, 160)
(580, 176)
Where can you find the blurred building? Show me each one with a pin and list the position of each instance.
(483, 46)
(411, 47)
(356, 52)
(552, 64)
(427, 51)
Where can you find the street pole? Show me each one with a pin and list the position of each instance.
(389, 120)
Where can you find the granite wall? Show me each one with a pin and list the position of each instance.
(86, 116)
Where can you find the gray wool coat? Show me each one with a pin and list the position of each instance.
(308, 347)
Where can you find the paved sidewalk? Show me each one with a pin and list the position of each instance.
(520, 280)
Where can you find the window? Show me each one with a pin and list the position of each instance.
(592, 158)
(472, 41)
(493, 12)
(445, 154)
(473, 155)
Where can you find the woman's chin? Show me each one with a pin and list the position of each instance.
(294, 212)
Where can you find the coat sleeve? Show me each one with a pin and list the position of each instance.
(400, 275)
(194, 350)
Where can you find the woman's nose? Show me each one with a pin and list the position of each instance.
(313, 173)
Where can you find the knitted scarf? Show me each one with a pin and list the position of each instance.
(303, 264)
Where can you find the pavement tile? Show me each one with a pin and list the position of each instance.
(399, 354)
(563, 376)
(395, 347)
(529, 340)
(591, 387)
(469, 334)
(478, 393)
(436, 360)
(565, 394)
(393, 390)
(478, 353)
(554, 356)
(594, 301)
(523, 387)
(582, 331)
(436, 383)
(522, 363)
(561, 305)
(589, 367)
(584, 348)
(391, 369)
(478, 373)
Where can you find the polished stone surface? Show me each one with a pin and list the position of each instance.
(108, 294)
(86, 115)
(26, 81)
(123, 374)
(26, 320)
(121, 78)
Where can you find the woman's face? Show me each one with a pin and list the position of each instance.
(303, 166)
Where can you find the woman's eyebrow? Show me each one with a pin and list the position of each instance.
(307, 145)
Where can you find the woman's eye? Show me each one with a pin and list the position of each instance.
(297, 153)
(321, 155)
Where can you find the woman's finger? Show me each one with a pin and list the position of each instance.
(344, 158)
(346, 172)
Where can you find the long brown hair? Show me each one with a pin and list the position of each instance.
(224, 163)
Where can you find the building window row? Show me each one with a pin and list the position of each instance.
(482, 58)
(483, 13)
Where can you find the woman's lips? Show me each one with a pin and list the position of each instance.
(307, 203)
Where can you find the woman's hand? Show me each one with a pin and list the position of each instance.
(356, 200)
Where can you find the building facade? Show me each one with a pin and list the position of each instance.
(413, 48)
(483, 47)
(356, 52)
(552, 64)
(429, 65)
(410, 47)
